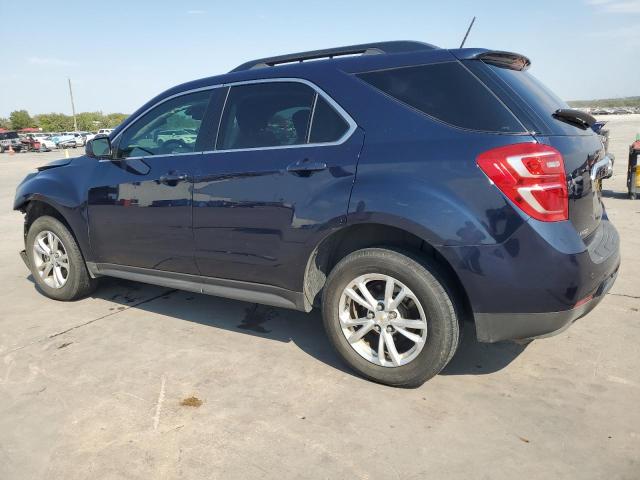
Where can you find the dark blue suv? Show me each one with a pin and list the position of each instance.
(398, 186)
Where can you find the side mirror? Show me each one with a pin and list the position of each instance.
(99, 147)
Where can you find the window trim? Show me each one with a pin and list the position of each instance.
(335, 105)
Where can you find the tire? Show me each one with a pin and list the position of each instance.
(436, 308)
(1, 148)
(78, 283)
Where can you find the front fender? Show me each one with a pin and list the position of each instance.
(62, 189)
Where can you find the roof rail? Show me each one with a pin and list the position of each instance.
(399, 46)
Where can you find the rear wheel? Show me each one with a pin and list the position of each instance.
(390, 316)
(55, 260)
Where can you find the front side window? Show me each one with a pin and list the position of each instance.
(270, 114)
(170, 128)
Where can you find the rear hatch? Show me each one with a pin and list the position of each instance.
(536, 106)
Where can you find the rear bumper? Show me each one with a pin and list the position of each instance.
(495, 327)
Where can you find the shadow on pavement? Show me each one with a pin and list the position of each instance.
(305, 330)
(475, 358)
(612, 194)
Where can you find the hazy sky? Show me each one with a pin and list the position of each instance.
(121, 53)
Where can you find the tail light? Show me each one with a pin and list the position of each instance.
(532, 176)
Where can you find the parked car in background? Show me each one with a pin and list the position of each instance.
(79, 137)
(184, 136)
(67, 140)
(37, 142)
(10, 140)
(102, 131)
(397, 186)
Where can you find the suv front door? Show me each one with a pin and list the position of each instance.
(279, 177)
(140, 201)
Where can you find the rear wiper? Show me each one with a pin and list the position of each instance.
(575, 117)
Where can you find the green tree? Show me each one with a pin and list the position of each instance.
(90, 121)
(20, 119)
(55, 122)
(115, 119)
(5, 123)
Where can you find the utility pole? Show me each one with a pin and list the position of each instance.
(73, 107)
(468, 30)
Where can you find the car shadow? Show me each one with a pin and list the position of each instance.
(475, 358)
(613, 194)
(305, 330)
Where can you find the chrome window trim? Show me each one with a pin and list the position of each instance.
(341, 111)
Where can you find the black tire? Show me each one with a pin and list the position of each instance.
(428, 282)
(79, 283)
(632, 196)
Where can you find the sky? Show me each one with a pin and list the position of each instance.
(123, 53)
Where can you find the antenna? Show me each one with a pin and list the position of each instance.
(468, 30)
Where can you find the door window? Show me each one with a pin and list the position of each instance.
(169, 128)
(271, 114)
(327, 125)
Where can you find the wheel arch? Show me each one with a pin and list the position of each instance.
(35, 206)
(332, 248)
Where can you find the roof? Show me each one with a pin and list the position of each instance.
(398, 46)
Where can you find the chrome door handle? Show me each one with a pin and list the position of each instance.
(306, 167)
(172, 179)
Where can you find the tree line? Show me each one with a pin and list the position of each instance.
(607, 102)
(59, 122)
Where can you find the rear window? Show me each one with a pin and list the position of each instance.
(8, 135)
(536, 98)
(448, 92)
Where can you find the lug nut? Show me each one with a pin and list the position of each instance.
(389, 329)
(380, 307)
(370, 315)
(377, 328)
(393, 315)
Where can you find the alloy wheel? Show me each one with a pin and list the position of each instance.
(383, 320)
(51, 259)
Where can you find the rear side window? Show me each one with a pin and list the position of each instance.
(327, 125)
(447, 92)
(268, 114)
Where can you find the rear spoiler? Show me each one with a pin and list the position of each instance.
(510, 60)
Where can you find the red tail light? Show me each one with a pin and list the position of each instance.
(532, 176)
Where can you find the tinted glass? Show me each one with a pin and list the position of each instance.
(8, 135)
(327, 124)
(448, 92)
(266, 115)
(171, 127)
(539, 98)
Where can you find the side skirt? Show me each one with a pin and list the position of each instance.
(220, 287)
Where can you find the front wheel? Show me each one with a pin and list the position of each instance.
(390, 316)
(56, 263)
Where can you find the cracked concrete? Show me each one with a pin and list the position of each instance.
(96, 388)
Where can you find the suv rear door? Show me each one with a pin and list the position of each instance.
(535, 105)
(278, 175)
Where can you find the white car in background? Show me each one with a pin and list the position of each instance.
(102, 131)
(46, 144)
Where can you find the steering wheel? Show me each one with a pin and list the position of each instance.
(174, 146)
